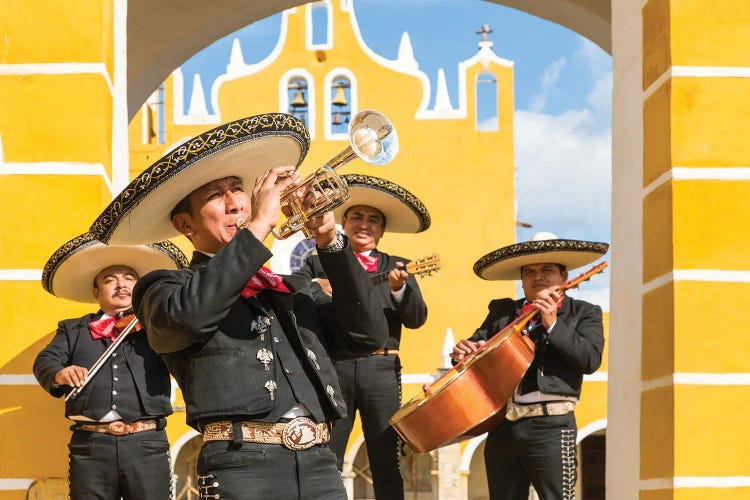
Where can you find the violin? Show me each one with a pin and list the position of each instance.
(126, 322)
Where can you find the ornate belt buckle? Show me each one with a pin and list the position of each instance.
(299, 434)
(118, 428)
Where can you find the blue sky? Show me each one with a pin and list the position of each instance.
(563, 90)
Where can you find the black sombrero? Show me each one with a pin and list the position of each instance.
(243, 148)
(505, 263)
(403, 211)
(71, 270)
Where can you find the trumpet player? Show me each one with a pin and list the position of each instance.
(250, 353)
(118, 448)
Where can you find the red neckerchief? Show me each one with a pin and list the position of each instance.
(264, 279)
(369, 263)
(102, 328)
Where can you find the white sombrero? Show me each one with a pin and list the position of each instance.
(244, 148)
(505, 263)
(71, 270)
(403, 211)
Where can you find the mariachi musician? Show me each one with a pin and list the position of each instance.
(250, 352)
(118, 448)
(372, 384)
(536, 442)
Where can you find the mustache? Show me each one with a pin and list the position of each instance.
(120, 291)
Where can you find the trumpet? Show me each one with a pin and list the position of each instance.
(372, 138)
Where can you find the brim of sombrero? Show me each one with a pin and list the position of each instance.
(71, 270)
(403, 211)
(506, 263)
(243, 148)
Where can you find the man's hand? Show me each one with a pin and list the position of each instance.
(546, 302)
(325, 285)
(397, 277)
(266, 199)
(72, 375)
(323, 229)
(465, 348)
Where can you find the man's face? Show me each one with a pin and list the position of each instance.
(364, 227)
(536, 277)
(114, 288)
(216, 207)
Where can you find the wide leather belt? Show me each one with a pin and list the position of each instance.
(300, 433)
(386, 351)
(120, 428)
(515, 412)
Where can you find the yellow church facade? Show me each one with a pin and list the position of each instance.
(675, 385)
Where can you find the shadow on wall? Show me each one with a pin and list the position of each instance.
(37, 446)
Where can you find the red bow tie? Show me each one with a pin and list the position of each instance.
(102, 328)
(264, 279)
(369, 263)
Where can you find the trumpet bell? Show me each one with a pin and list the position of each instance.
(373, 137)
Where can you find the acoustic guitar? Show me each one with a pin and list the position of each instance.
(420, 267)
(469, 399)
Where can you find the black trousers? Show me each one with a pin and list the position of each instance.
(537, 450)
(106, 467)
(372, 386)
(267, 471)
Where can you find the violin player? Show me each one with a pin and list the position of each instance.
(118, 448)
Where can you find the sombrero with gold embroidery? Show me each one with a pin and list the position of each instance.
(71, 270)
(505, 263)
(243, 148)
(403, 211)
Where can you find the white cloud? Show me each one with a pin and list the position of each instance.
(488, 124)
(550, 76)
(598, 296)
(563, 173)
(552, 73)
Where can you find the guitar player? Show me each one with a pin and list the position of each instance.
(372, 384)
(536, 442)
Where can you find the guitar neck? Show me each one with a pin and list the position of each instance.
(379, 278)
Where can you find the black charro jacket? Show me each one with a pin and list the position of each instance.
(197, 319)
(73, 345)
(411, 312)
(572, 349)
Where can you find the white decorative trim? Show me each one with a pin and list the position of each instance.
(666, 483)
(8, 484)
(120, 149)
(418, 378)
(589, 429)
(288, 76)
(596, 377)
(699, 174)
(406, 67)
(71, 68)
(55, 168)
(174, 450)
(309, 45)
(249, 69)
(14, 379)
(353, 101)
(20, 274)
(714, 379)
(697, 72)
(468, 453)
(712, 275)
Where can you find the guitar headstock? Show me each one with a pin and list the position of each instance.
(425, 266)
(586, 276)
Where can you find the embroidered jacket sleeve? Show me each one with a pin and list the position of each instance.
(52, 359)
(579, 337)
(411, 309)
(181, 308)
